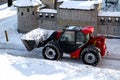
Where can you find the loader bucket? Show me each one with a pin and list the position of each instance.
(35, 38)
(29, 44)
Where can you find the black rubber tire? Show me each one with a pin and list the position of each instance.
(90, 55)
(52, 52)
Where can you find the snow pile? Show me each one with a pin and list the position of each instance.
(37, 34)
(19, 68)
(24, 3)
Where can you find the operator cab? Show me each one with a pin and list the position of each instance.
(72, 39)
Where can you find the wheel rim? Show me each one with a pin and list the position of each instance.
(90, 58)
(50, 53)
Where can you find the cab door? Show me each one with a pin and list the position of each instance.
(67, 41)
(80, 39)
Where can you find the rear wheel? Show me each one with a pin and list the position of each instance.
(91, 55)
(52, 52)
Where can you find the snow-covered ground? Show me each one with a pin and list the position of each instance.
(19, 64)
(20, 68)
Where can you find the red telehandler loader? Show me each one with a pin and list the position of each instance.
(76, 41)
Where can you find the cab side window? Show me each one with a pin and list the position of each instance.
(80, 37)
(68, 36)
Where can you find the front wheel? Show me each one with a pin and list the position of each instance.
(51, 52)
(91, 55)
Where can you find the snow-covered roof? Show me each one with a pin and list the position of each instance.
(78, 0)
(111, 14)
(86, 5)
(62, 0)
(48, 11)
(24, 3)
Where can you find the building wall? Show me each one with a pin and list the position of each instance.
(77, 17)
(83, 18)
(109, 25)
(103, 24)
(47, 20)
(70, 17)
(27, 19)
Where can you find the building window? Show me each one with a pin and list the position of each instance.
(102, 20)
(33, 13)
(109, 19)
(117, 20)
(21, 13)
(28, 10)
(46, 15)
(41, 15)
(52, 16)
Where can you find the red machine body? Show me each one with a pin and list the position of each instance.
(97, 41)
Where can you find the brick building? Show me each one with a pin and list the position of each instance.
(79, 14)
(75, 14)
(109, 23)
(88, 14)
(47, 19)
(56, 14)
(27, 14)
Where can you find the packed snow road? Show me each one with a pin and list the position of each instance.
(105, 62)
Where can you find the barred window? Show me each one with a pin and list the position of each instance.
(52, 16)
(28, 10)
(41, 15)
(117, 20)
(46, 15)
(109, 19)
(22, 14)
(102, 19)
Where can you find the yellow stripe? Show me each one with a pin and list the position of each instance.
(94, 43)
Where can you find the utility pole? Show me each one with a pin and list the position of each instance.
(9, 3)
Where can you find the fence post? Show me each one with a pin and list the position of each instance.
(9, 3)
(6, 35)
